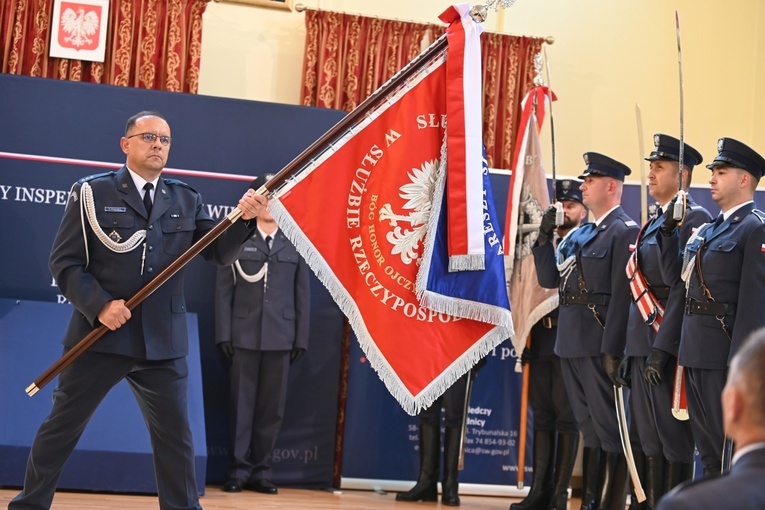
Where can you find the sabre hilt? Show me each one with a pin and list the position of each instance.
(558, 214)
(678, 214)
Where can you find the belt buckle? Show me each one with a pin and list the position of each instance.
(547, 322)
(689, 306)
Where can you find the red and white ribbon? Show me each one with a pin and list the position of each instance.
(464, 140)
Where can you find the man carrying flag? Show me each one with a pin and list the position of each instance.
(588, 270)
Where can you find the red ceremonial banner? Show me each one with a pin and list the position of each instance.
(359, 215)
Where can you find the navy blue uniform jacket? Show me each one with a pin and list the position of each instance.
(89, 274)
(733, 267)
(604, 258)
(641, 337)
(740, 489)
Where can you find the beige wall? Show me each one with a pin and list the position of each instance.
(608, 55)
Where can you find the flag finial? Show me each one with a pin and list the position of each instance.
(478, 12)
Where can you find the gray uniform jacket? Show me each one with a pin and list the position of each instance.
(273, 319)
(89, 274)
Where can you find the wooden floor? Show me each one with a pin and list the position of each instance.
(298, 499)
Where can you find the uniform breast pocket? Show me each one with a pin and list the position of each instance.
(177, 233)
(594, 255)
(289, 257)
(122, 223)
(722, 257)
(596, 268)
(252, 255)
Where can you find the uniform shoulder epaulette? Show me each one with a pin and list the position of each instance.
(175, 182)
(759, 214)
(96, 176)
(627, 220)
(695, 207)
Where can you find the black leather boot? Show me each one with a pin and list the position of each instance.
(676, 473)
(541, 479)
(591, 458)
(427, 483)
(640, 460)
(565, 456)
(613, 493)
(654, 480)
(450, 485)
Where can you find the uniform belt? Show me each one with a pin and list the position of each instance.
(694, 307)
(549, 322)
(660, 292)
(586, 299)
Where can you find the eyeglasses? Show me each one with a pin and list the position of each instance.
(150, 137)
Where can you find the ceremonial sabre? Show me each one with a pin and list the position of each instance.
(641, 148)
(558, 205)
(679, 212)
(624, 434)
(679, 402)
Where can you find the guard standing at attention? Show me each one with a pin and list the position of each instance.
(556, 435)
(653, 332)
(723, 267)
(588, 271)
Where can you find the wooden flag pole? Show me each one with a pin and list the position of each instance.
(524, 418)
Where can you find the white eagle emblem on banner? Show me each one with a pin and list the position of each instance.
(419, 196)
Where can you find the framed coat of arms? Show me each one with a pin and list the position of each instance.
(78, 29)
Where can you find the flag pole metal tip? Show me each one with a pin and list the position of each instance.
(478, 13)
(32, 389)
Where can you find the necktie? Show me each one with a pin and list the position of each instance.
(147, 197)
(659, 212)
(717, 224)
(268, 242)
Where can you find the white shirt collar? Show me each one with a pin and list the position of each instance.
(140, 181)
(264, 235)
(746, 449)
(600, 220)
(727, 214)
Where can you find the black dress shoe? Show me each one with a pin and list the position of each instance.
(263, 486)
(233, 485)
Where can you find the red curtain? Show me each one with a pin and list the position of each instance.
(508, 74)
(347, 57)
(150, 44)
